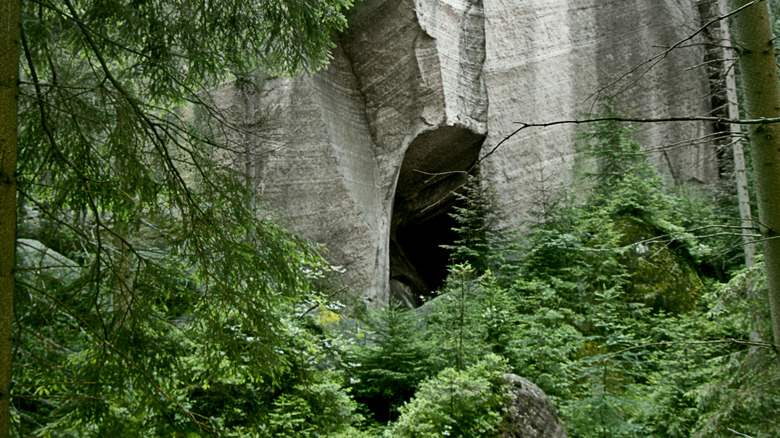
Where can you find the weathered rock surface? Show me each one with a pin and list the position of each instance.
(49, 264)
(367, 153)
(532, 414)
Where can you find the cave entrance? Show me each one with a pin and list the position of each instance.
(434, 169)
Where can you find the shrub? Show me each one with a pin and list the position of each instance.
(454, 403)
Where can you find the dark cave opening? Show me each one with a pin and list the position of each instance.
(434, 169)
(423, 247)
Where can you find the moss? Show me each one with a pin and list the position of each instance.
(662, 275)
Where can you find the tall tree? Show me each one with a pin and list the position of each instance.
(740, 168)
(761, 93)
(10, 28)
(104, 148)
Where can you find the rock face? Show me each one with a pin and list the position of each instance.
(365, 155)
(532, 414)
(49, 264)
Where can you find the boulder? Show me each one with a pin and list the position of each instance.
(47, 263)
(532, 414)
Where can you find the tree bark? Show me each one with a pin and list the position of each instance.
(740, 169)
(10, 37)
(761, 94)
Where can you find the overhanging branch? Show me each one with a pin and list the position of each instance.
(708, 119)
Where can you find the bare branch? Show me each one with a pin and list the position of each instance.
(738, 433)
(709, 119)
(710, 342)
(655, 60)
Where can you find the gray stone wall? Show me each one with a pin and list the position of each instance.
(435, 81)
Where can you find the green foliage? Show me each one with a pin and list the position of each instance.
(621, 233)
(497, 315)
(474, 317)
(606, 400)
(547, 342)
(400, 349)
(155, 378)
(744, 389)
(584, 333)
(175, 285)
(467, 403)
(318, 410)
(680, 361)
(625, 182)
(454, 324)
(387, 364)
(172, 309)
(481, 242)
(611, 314)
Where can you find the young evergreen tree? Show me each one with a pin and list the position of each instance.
(625, 182)
(389, 363)
(458, 403)
(105, 153)
(739, 389)
(482, 241)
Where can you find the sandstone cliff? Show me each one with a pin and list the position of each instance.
(366, 153)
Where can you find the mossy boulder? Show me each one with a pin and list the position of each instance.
(662, 271)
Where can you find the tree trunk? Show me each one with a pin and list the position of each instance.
(761, 93)
(10, 37)
(740, 170)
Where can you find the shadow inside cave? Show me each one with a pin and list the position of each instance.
(434, 169)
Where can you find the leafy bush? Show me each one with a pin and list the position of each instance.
(319, 410)
(387, 364)
(467, 403)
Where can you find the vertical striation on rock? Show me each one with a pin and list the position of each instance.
(318, 175)
(418, 67)
(372, 149)
(561, 57)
